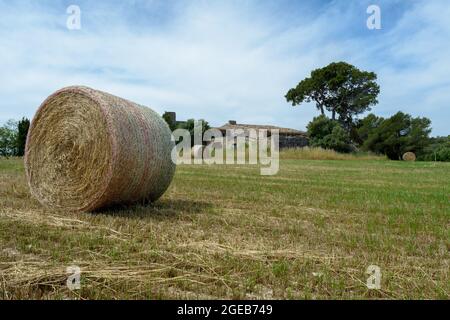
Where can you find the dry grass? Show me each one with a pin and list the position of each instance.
(314, 153)
(227, 232)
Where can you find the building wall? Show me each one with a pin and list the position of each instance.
(286, 141)
(293, 141)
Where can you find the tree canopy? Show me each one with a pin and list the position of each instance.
(339, 88)
(398, 134)
(365, 126)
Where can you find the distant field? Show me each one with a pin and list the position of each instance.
(226, 232)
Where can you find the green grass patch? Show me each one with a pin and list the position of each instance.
(227, 232)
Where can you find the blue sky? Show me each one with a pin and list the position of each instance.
(222, 60)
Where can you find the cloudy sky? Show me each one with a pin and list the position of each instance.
(222, 60)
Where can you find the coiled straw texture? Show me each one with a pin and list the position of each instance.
(88, 149)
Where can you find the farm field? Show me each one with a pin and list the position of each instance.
(226, 232)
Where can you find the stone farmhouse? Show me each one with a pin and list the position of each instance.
(288, 138)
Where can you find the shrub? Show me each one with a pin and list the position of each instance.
(329, 134)
(438, 150)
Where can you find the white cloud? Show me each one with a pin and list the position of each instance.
(215, 60)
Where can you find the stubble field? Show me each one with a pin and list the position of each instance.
(226, 232)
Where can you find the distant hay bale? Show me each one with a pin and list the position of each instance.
(87, 149)
(409, 156)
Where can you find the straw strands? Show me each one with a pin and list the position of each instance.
(409, 156)
(88, 149)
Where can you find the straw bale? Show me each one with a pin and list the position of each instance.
(88, 149)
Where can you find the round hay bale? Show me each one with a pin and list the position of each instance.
(88, 149)
(409, 156)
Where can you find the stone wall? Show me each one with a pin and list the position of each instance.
(297, 141)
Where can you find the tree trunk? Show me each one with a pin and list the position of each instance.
(322, 111)
(333, 115)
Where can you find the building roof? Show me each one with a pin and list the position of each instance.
(284, 131)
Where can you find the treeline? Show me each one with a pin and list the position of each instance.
(13, 137)
(392, 137)
(345, 92)
(187, 125)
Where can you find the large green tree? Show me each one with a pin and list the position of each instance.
(339, 88)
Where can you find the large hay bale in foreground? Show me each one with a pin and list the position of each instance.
(409, 156)
(87, 149)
